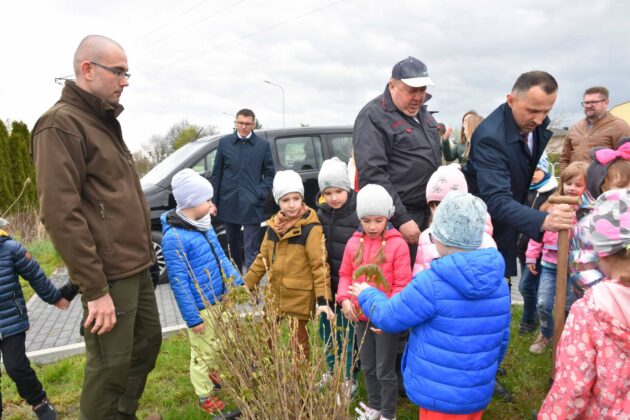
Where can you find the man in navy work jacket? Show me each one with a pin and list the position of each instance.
(242, 176)
(504, 153)
(396, 145)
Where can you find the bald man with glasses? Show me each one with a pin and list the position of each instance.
(95, 213)
(598, 128)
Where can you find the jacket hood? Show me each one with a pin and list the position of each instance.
(4, 236)
(476, 274)
(171, 219)
(610, 303)
(549, 185)
(309, 217)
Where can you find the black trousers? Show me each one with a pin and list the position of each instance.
(19, 369)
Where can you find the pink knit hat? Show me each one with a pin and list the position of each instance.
(445, 179)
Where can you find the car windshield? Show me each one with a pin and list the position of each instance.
(168, 165)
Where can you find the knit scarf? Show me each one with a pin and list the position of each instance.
(283, 223)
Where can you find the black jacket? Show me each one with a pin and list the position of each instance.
(499, 171)
(338, 225)
(396, 152)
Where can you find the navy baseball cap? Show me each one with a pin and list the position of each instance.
(412, 72)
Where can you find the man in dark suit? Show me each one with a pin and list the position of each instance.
(504, 153)
(242, 176)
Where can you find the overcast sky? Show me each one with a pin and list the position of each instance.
(197, 60)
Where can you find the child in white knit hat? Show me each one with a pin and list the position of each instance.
(339, 220)
(376, 242)
(292, 253)
(196, 266)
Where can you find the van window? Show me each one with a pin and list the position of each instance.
(204, 165)
(341, 146)
(300, 153)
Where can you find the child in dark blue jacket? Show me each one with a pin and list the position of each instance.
(196, 265)
(459, 313)
(16, 261)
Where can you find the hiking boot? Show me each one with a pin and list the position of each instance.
(539, 345)
(45, 411)
(211, 404)
(527, 328)
(367, 413)
(502, 392)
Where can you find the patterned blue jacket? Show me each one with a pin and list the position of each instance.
(16, 261)
(190, 263)
(459, 313)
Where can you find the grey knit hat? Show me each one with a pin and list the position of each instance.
(287, 182)
(334, 173)
(374, 200)
(459, 221)
(190, 189)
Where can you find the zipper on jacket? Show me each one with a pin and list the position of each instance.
(101, 210)
(17, 305)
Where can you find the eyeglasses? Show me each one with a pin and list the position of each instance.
(116, 71)
(587, 103)
(243, 123)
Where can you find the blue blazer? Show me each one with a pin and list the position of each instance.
(190, 263)
(499, 171)
(16, 260)
(459, 315)
(242, 177)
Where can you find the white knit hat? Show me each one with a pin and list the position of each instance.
(287, 182)
(374, 200)
(190, 189)
(334, 173)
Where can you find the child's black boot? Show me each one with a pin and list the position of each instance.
(45, 411)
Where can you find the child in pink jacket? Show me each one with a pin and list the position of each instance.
(592, 378)
(572, 183)
(445, 179)
(376, 242)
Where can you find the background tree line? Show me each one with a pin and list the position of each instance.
(17, 167)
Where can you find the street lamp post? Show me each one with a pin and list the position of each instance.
(282, 89)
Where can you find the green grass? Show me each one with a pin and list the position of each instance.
(170, 393)
(48, 259)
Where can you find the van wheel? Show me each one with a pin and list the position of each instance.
(158, 271)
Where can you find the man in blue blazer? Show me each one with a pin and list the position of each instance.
(504, 153)
(242, 176)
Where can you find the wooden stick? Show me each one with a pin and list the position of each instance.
(561, 279)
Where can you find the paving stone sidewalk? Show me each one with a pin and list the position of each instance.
(54, 333)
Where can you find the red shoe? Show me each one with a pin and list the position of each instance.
(211, 404)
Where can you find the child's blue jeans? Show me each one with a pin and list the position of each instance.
(547, 298)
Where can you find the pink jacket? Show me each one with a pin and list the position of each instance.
(396, 268)
(593, 358)
(548, 247)
(427, 251)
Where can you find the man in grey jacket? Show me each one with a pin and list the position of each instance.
(397, 145)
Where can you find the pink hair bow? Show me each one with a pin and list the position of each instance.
(605, 156)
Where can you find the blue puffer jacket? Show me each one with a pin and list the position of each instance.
(14, 261)
(186, 248)
(459, 312)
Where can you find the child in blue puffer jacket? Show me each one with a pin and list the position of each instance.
(16, 261)
(196, 267)
(459, 313)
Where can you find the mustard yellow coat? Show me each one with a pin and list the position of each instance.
(299, 275)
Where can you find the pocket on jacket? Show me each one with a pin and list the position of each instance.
(107, 242)
(21, 311)
(297, 296)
